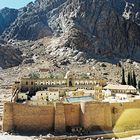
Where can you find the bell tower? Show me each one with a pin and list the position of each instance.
(70, 79)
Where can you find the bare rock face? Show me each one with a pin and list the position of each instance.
(7, 16)
(132, 11)
(98, 28)
(9, 56)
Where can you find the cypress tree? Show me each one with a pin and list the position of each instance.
(123, 77)
(134, 80)
(129, 79)
(139, 84)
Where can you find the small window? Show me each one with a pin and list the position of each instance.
(32, 83)
(26, 83)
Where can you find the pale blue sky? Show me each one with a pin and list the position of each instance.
(14, 3)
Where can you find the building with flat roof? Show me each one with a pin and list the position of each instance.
(70, 82)
(46, 96)
(120, 88)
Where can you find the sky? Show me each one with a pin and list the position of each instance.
(14, 3)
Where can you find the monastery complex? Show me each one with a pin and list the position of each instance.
(71, 104)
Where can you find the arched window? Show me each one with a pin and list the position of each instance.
(70, 82)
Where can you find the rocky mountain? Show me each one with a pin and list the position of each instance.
(7, 17)
(106, 30)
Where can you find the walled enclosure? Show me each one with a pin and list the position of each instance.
(116, 117)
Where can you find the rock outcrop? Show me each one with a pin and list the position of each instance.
(132, 11)
(7, 17)
(9, 56)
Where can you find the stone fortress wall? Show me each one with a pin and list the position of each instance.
(116, 117)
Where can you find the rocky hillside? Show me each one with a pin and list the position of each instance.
(9, 56)
(106, 30)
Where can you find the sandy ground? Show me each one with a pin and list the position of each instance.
(18, 137)
(8, 137)
(131, 138)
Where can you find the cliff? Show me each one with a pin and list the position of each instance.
(99, 28)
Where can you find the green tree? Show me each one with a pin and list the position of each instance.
(139, 84)
(34, 75)
(123, 77)
(134, 80)
(129, 78)
(84, 76)
(51, 76)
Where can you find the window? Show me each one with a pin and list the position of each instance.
(32, 83)
(70, 83)
(26, 83)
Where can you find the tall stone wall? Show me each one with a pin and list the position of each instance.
(28, 118)
(116, 117)
(52, 117)
(8, 117)
(59, 125)
(96, 116)
(126, 116)
(72, 114)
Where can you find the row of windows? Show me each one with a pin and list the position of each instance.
(51, 83)
(49, 94)
(47, 83)
(122, 91)
(62, 83)
(85, 82)
(27, 83)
